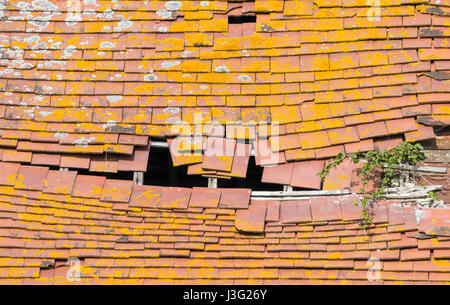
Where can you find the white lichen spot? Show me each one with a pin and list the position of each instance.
(164, 14)
(23, 5)
(172, 110)
(32, 39)
(173, 5)
(89, 12)
(39, 22)
(45, 113)
(114, 98)
(150, 77)
(43, 5)
(72, 19)
(204, 3)
(123, 24)
(83, 141)
(69, 50)
(222, 68)
(163, 29)
(244, 78)
(109, 124)
(169, 64)
(107, 45)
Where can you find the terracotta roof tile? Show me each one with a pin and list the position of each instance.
(235, 198)
(251, 219)
(59, 182)
(116, 190)
(295, 212)
(280, 174)
(305, 174)
(31, 177)
(9, 173)
(89, 95)
(88, 186)
(325, 209)
(204, 198)
(174, 197)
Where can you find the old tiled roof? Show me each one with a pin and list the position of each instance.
(90, 85)
(84, 84)
(124, 233)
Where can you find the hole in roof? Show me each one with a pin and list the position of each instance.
(241, 19)
(161, 172)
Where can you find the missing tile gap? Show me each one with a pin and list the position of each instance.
(241, 19)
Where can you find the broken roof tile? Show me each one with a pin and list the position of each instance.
(305, 174)
(280, 174)
(339, 177)
(434, 222)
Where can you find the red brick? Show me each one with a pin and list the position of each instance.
(75, 161)
(433, 221)
(314, 62)
(404, 276)
(350, 210)
(329, 152)
(387, 143)
(273, 210)
(356, 180)
(440, 254)
(307, 274)
(137, 161)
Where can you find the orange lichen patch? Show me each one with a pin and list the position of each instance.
(314, 139)
(286, 114)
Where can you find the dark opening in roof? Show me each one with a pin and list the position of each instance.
(241, 19)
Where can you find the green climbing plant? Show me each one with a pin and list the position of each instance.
(389, 162)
